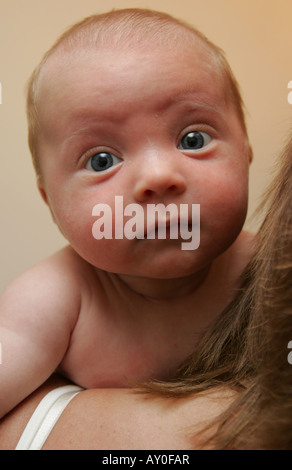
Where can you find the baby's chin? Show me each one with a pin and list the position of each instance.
(151, 259)
(168, 269)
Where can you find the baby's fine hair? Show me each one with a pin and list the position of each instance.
(125, 28)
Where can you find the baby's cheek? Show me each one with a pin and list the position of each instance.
(237, 193)
(233, 208)
(78, 228)
(81, 229)
(225, 203)
(74, 221)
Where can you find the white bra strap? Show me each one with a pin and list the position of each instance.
(45, 417)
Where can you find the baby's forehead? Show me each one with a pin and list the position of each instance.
(80, 84)
(103, 74)
(190, 48)
(103, 39)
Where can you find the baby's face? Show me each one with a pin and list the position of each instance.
(153, 127)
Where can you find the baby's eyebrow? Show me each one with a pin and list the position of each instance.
(75, 134)
(198, 99)
(84, 133)
(81, 130)
(85, 122)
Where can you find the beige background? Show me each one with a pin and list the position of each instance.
(257, 38)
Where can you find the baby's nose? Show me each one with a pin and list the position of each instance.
(160, 179)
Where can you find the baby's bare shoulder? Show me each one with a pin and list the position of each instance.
(51, 285)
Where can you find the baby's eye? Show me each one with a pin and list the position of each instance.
(194, 140)
(101, 161)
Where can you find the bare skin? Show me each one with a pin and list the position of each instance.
(108, 312)
(120, 419)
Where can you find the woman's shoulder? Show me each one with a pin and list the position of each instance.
(125, 419)
(13, 424)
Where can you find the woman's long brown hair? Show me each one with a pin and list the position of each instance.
(246, 348)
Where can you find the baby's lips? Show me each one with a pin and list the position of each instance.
(172, 227)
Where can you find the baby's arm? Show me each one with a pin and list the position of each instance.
(38, 312)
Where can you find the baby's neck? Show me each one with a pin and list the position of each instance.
(165, 289)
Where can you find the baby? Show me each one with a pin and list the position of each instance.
(138, 105)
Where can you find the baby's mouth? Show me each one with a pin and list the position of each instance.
(165, 229)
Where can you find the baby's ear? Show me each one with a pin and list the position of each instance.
(250, 154)
(42, 190)
(44, 195)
